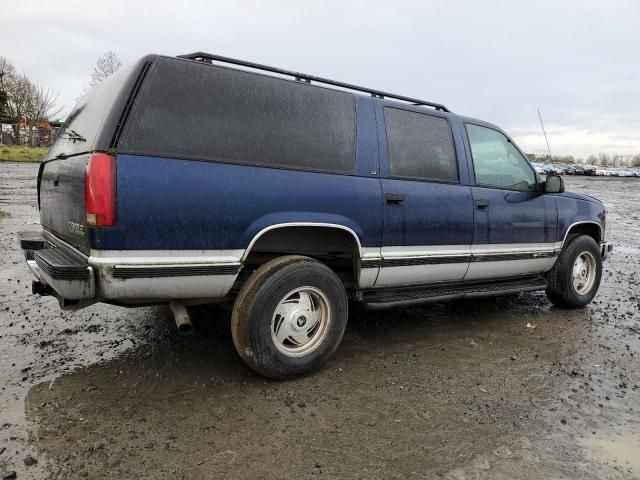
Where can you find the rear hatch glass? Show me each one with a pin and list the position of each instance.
(91, 124)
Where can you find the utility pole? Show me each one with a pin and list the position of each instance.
(545, 134)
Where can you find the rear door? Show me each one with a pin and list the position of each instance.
(61, 193)
(428, 212)
(514, 223)
(90, 127)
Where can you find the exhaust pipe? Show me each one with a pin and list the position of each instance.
(181, 316)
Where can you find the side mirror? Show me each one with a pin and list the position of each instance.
(554, 184)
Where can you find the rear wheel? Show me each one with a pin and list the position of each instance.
(575, 278)
(289, 317)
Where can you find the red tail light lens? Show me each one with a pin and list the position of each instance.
(100, 190)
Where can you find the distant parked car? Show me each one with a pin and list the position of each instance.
(578, 170)
(538, 168)
(589, 170)
(561, 169)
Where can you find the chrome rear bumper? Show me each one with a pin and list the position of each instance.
(61, 267)
(126, 277)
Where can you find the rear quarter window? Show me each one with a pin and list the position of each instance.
(208, 112)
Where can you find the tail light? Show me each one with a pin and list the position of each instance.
(100, 190)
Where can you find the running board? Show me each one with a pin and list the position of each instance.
(381, 298)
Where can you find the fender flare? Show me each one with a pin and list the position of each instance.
(275, 226)
(566, 234)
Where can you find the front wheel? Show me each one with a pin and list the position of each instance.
(575, 278)
(289, 317)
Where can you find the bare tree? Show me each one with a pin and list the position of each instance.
(28, 103)
(19, 100)
(604, 159)
(7, 73)
(106, 66)
(43, 104)
(41, 107)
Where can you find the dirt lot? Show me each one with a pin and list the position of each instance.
(501, 388)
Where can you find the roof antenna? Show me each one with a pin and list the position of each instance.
(545, 135)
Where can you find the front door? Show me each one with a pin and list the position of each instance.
(515, 224)
(428, 214)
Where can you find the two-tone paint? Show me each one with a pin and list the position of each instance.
(193, 223)
(185, 227)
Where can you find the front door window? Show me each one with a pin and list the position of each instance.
(497, 162)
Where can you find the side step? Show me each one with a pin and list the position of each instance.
(381, 298)
(67, 273)
(31, 241)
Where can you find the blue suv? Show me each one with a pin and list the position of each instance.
(203, 179)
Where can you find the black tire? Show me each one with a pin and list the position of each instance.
(255, 306)
(561, 291)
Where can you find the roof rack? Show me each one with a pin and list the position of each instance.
(303, 77)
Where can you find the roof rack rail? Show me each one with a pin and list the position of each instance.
(303, 77)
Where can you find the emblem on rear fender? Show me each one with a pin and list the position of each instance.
(76, 229)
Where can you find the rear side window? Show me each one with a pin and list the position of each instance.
(420, 146)
(190, 110)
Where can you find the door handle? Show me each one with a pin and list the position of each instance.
(482, 205)
(394, 198)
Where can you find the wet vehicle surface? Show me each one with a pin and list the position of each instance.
(507, 387)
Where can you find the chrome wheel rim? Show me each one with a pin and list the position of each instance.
(300, 321)
(584, 273)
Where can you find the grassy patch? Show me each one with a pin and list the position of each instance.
(22, 154)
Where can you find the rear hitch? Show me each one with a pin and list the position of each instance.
(39, 288)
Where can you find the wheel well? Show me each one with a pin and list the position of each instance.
(335, 247)
(591, 229)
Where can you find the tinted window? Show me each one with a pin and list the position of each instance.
(190, 110)
(497, 162)
(420, 146)
(89, 114)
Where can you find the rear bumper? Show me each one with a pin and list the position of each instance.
(126, 277)
(606, 249)
(55, 264)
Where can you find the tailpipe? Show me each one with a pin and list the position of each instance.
(181, 316)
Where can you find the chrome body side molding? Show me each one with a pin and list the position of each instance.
(159, 275)
(450, 263)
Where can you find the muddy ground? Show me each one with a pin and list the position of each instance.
(500, 388)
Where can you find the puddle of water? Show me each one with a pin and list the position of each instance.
(621, 449)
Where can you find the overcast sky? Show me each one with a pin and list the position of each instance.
(578, 61)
